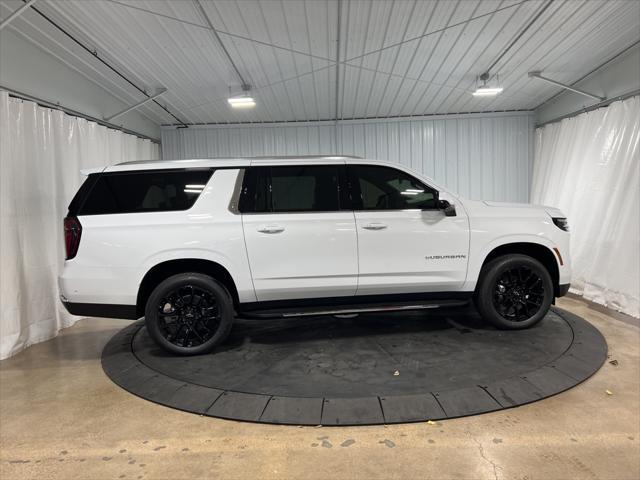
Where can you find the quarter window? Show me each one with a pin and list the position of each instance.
(385, 188)
(162, 190)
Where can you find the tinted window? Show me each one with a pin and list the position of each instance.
(162, 190)
(81, 194)
(384, 188)
(299, 188)
(255, 195)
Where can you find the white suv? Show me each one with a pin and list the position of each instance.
(190, 244)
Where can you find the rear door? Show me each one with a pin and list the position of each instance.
(406, 244)
(299, 231)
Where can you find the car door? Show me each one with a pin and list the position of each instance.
(299, 231)
(406, 244)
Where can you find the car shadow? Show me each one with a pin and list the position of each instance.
(323, 328)
(326, 327)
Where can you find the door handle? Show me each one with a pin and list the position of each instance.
(271, 229)
(374, 226)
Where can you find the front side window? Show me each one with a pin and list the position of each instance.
(385, 188)
(137, 192)
(296, 188)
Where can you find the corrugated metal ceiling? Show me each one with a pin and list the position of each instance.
(396, 58)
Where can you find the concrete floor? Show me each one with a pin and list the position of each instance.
(61, 417)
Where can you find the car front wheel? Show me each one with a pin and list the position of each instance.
(189, 314)
(514, 292)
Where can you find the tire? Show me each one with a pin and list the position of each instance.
(189, 314)
(514, 292)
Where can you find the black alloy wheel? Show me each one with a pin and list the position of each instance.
(518, 293)
(189, 314)
(514, 292)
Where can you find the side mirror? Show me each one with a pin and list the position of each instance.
(448, 209)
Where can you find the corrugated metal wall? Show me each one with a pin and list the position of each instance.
(480, 156)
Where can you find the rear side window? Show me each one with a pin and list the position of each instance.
(296, 188)
(136, 192)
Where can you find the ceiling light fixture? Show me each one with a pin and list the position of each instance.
(244, 100)
(485, 90)
(241, 102)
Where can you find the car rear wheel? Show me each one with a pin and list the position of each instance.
(189, 314)
(514, 292)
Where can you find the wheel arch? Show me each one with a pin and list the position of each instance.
(540, 252)
(163, 270)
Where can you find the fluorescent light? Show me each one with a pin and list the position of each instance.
(487, 91)
(192, 190)
(241, 102)
(194, 186)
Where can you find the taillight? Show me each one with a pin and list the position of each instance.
(72, 233)
(561, 223)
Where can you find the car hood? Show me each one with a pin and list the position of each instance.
(552, 211)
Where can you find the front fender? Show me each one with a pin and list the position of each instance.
(478, 253)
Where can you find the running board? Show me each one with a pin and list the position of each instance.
(350, 310)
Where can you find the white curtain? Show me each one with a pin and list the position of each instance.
(588, 166)
(41, 154)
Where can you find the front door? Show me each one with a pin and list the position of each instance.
(405, 243)
(300, 241)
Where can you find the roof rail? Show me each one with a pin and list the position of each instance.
(265, 157)
(142, 162)
(296, 157)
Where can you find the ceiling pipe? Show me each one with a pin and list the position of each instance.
(606, 103)
(245, 85)
(16, 14)
(94, 53)
(337, 106)
(159, 92)
(519, 36)
(74, 113)
(537, 74)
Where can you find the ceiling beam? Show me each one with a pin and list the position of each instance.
(245, 85)
(519, 36)
(16, 14)
(433, 32)
(159, 92)
(220, 32)
(339, 22)
(599, 67)
(94, 53)
(566, 87)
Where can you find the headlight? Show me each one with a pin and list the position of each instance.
(561, 223)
